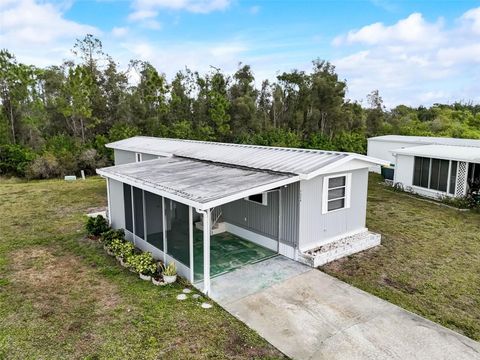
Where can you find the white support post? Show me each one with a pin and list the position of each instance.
(133, 217)
(109, 216)
(206, 252)
(190, 240)
(144, 217)
(164, 224)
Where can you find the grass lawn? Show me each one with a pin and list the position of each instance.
(428, 263)
(61, 297)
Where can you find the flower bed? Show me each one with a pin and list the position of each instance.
(132, 258)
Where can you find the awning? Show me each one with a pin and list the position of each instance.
(200, 184)
(446, 152)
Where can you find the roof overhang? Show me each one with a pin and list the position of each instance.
(445, 152)
(195, 183)
(361, 161)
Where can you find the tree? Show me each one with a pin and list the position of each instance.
(243, 97)
(375, 114)
(15, 82)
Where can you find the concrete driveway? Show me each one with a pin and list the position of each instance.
(310, 315)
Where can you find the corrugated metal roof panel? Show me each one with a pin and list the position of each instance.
(288, 160)
(459, 153)
(197, 181)
(427, 140)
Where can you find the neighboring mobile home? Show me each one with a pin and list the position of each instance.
(211, 207)
(431, 166)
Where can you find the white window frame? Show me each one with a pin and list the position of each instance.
(264, 199)
(138, 157)
(348, 190)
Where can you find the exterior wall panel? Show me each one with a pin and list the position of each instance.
(404, 170)
(124, 157)
(317, 228)
(263, 220)
(254, 217)
(290, 199)
(117, 212)
(146, 157)
(127, 157)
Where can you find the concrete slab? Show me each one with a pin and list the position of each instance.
(315, 316)
(252, 278)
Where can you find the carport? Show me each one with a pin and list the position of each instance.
(171, 205)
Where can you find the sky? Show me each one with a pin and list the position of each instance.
(413, 52)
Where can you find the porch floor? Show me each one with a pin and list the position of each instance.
(227, 252)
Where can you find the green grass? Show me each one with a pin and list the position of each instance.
(428, 263)
(61, 297)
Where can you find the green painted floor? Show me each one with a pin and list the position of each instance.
(227, 252)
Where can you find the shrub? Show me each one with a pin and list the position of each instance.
(14, 160)
(110, 235)
(44, 167)
(126, 250)
(116, 246)
(96, 225)
(143, 263)
(465, 202)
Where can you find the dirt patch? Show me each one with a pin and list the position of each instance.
(64, 293)
(384, 280)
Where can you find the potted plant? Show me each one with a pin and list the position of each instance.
(115, 247)
(107, 237)
(170, 273)
(157, 277)
(145, 265)
(125, 251)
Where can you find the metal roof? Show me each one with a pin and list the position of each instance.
(197, 183)
(287, 160)
(427, 140)
(459, 153)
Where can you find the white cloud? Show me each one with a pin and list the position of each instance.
(412, 30)
(119, 31)
(33, 22)
(37, 32)
(471, 19)
(199, 56)
(142, 15)
(413, 61)
(195, 6)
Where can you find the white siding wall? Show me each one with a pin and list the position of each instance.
(404, 175)
(317, 228)
(381, 149)
(117, 212)
(124, 157)
(404, 170)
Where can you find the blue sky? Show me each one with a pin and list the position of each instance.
(414, 52)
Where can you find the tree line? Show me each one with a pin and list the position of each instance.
(56, 120)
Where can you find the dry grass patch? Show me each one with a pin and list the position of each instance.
(58, 291)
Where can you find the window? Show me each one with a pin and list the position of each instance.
(336, 192)
(435, 174)
(258, 198)
(138, 157)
